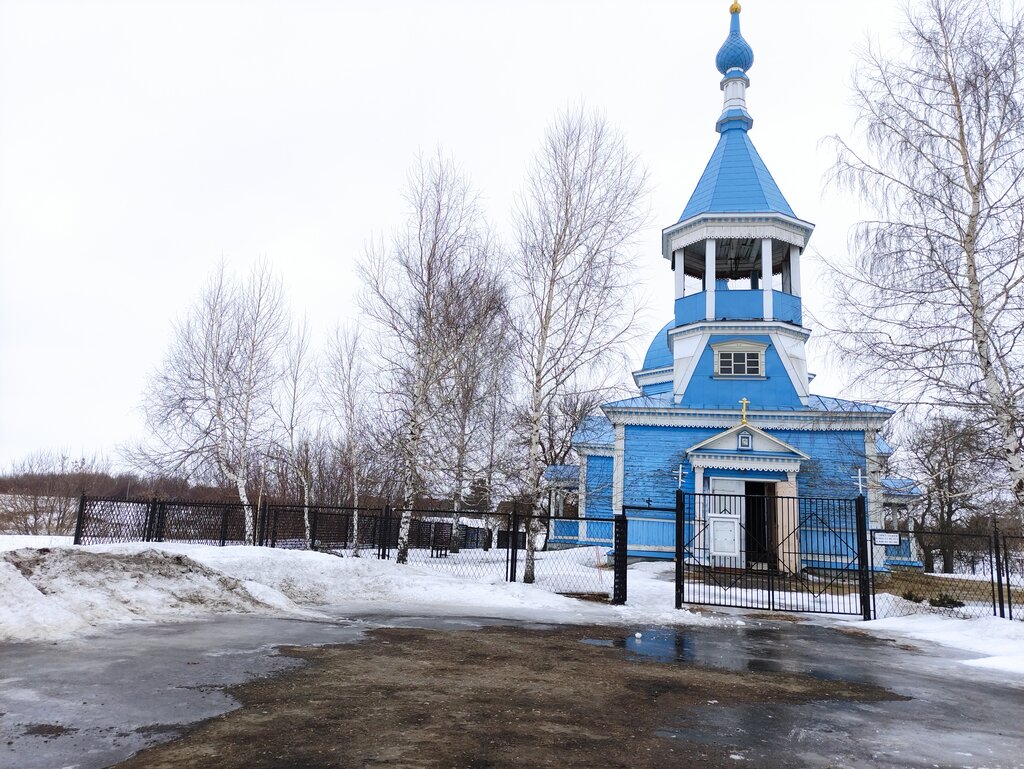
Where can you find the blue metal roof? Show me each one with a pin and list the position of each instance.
(565, 476)
(901, 487)
(825, 403)
(595, 430)
(815, 403)
(658, 354)
(736, 180)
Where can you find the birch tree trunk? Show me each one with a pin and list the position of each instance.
(930, 311)
(575, 221)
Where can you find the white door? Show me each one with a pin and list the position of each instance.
(725, 516)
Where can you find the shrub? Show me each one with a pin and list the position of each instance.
(946, 601)
(910, 595)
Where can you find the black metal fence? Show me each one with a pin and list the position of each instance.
(801, 554)
(462, 544)
(956, 574)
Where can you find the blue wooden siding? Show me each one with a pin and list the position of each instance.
(775, 388)
(651, 461)
(599, 485)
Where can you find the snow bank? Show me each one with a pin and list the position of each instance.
(53, 593)
(1000, 641)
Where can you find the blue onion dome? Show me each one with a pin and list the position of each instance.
(735, 52)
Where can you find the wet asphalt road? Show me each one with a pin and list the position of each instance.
(91, 702)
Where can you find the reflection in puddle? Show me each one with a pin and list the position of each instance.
(752, 651)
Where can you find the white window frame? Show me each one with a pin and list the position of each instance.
(745, 348)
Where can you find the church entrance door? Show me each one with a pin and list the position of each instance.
(759, 534)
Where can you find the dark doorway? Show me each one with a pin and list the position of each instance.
(758, 529)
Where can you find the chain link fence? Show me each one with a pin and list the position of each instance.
(953, 574)
(484, 548)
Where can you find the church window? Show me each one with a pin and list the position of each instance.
(740, 363)
(739, 359)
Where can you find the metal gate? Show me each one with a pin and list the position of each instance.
(803, 554)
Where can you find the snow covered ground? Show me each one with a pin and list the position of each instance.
(50, 591)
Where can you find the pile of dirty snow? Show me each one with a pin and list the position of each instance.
(57, 592)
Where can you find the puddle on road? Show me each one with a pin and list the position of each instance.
(666, 645)
(824, 655)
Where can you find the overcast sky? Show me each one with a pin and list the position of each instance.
(143, 141)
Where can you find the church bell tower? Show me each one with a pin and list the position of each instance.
(735, 252)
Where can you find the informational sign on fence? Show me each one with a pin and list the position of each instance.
(886, 537)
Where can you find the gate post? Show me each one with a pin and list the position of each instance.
(999, 569)
(80, 520)
(620, 542)
(679, 547)
(863, 571)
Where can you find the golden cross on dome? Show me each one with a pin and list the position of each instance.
(745, 403)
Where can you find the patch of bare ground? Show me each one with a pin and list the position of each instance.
(485, 699)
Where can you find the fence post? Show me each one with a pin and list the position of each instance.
(150, 521)
(384, 534)
(80, 520)
(999, 569)
(262, 515)
(161, 521)
(513, 543)
(1009, 583)
(680, 529)
(312, 529)
(863, 549)
(224, 525)
(620, 540)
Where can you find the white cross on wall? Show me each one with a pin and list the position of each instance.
(861, 480)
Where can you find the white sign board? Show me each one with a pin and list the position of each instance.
(886, 537)
(725, 536)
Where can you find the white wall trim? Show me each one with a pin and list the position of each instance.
(825, 421)
(618, 468)
(765, 464)
(795, 232)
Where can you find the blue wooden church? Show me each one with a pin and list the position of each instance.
(725, 405)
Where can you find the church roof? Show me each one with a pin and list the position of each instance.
(563, 476)
(659, 354)
(815, 403)
(901, 487)
(594, 430)
(736, 180)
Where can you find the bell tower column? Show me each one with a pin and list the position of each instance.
(709, 279)
(766, 277)
(794, 270)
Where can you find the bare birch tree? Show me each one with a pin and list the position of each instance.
(346, 385)
(478, 376)
(208, 407)
(412, 291)
(575, 221)
(295, 410)
(932, 307)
